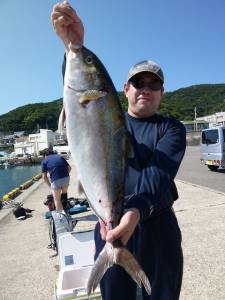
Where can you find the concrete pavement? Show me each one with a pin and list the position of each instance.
(201, 215)
(29, 272)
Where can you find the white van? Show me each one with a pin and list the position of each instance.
(213, 147)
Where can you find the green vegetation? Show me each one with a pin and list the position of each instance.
(207, 98)
(31, 117)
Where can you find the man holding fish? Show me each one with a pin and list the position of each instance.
(135, 210)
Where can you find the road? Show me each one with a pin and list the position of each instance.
(192, 170)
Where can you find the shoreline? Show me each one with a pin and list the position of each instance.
(19, 161)
(18, 185)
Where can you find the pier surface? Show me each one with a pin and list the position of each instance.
(28, 270)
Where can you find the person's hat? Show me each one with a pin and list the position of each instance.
(146, 66)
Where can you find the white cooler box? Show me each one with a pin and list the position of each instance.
(76, 259)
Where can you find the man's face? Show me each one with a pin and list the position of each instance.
(144, 92)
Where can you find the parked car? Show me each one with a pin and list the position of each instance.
(213, 147)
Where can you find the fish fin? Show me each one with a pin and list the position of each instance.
(126, 260)
(103, 262)
(61, 122)
(90, 95)
(112, 255)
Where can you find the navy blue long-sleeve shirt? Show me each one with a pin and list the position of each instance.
(159, 145)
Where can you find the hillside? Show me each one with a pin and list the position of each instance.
(207, 98)
(32, 116)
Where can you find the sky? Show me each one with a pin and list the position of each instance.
(185, 37)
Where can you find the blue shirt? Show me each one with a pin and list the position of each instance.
(159, 145)
(56, 166)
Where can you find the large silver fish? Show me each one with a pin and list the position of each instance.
(99, 145)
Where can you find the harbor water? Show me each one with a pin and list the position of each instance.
(12, 177)
(3, 153)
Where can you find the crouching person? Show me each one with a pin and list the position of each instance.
(58, 169)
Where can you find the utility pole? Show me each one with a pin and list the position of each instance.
(195, 121)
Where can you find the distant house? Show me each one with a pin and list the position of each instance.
(22, 148)
(22, 139)
(8, 139)
(60, 138)
(197, 125)
(42, 140)
(62, 150)
(19, 133)
(35, 143)
(217, 118)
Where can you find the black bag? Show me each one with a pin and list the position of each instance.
(19, 212)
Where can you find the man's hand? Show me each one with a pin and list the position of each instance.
(67, 24)
(124, 230)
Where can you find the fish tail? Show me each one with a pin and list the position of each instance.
(111, 255)
(103, 262)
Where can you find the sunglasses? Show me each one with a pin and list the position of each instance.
(139, 83)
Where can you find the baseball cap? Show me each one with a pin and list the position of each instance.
(146, 66)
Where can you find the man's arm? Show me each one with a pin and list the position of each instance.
(157, 179)
(69, 168)
(45, 177)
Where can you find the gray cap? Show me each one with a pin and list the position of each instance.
(146, 66)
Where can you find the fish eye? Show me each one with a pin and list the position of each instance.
(88, 60)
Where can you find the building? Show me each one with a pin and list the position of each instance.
(19, 133)
(8, 139)
(62, 150)
(60, 138)
(197, 125)
(23, 148)
(217, 118)
(35, 143)
(42, 140)
(194, 128)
